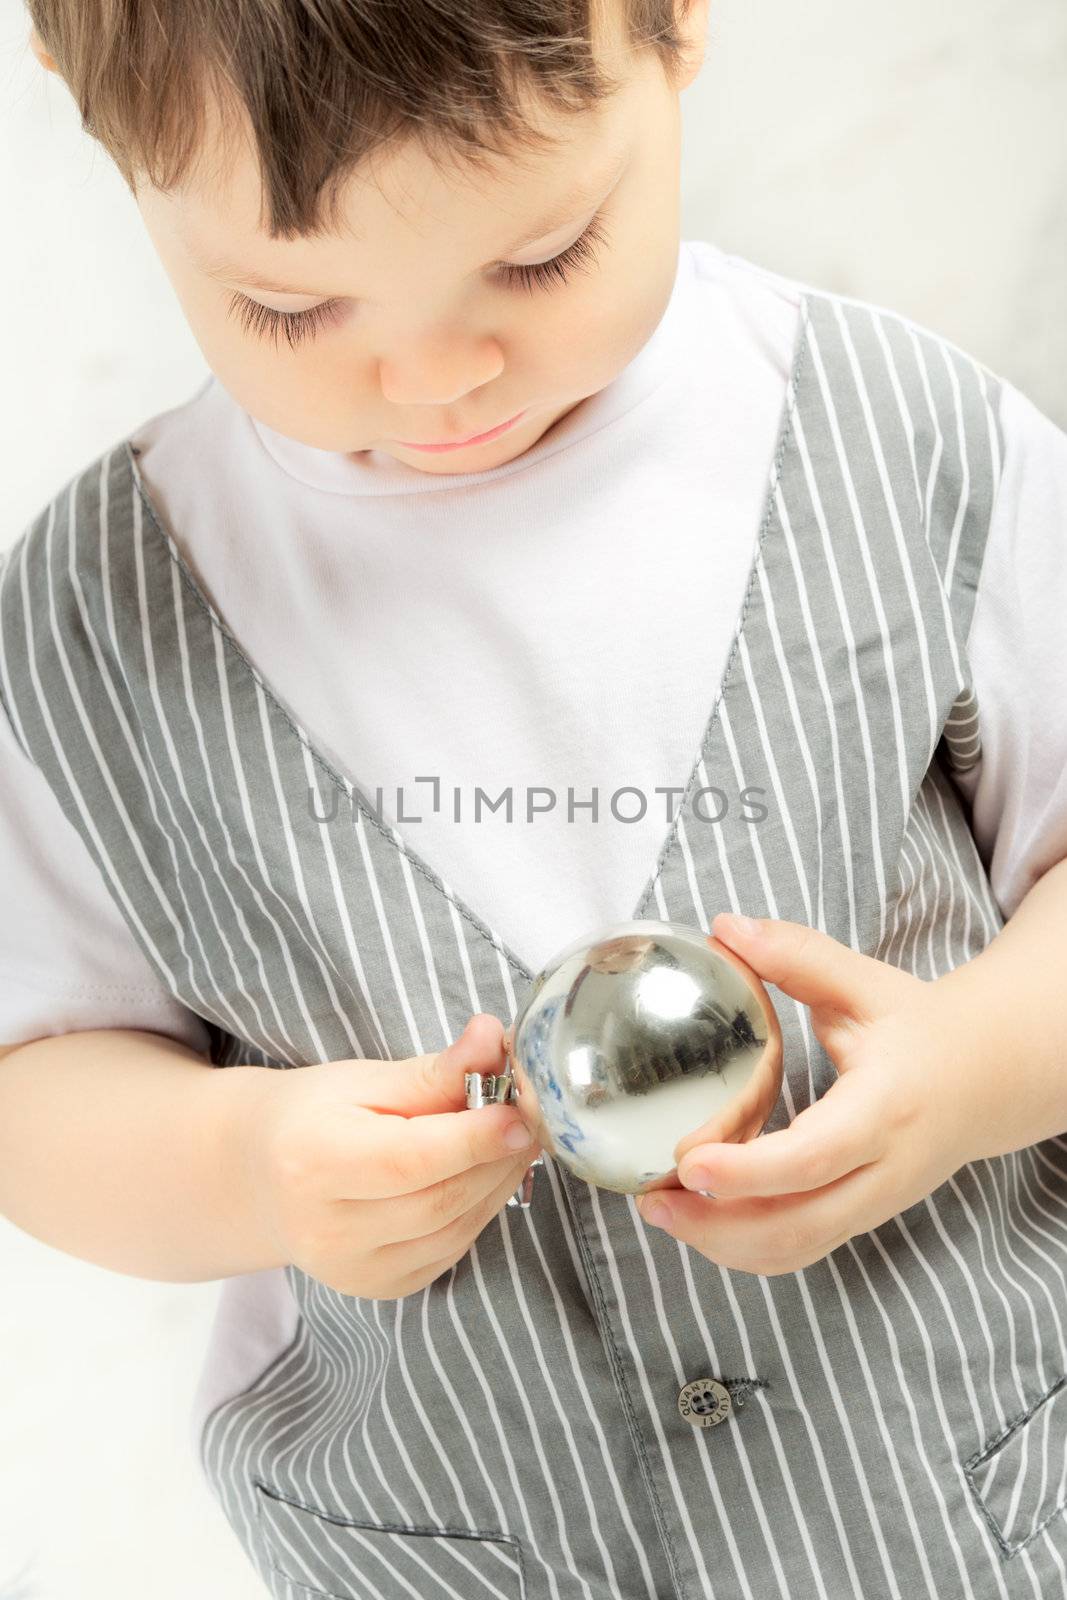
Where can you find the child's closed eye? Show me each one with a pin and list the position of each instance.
(298, 326)
(559, 269)
(266, 322)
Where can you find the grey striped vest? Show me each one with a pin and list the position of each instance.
(896, 1414)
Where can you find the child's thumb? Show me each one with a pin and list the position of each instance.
(479, 1048)
(415, 1086)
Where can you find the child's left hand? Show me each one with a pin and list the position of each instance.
(904, 1113)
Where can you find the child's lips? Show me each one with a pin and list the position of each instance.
(457, 444)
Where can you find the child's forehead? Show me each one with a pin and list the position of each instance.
(405, 187)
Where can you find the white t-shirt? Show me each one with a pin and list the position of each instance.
(558, 625)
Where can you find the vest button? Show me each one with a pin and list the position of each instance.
(704, 1402)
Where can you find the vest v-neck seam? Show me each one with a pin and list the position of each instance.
(350, 789)
(784, 436)
(353, 792)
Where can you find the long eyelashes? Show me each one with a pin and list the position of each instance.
(582, 253)
(299, 326)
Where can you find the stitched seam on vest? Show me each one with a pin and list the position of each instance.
(957, 764)
(264, 1491)
(414, 1530)
(786, 432)
(5, 708)
(335, 778)
(989, 1448)
(972, 580)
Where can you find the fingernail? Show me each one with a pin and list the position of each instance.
(517, 1137)
(657, 1213)
(696, 1178)
(748, 926)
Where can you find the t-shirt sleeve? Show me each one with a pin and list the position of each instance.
(1018, 653)
(67, 958)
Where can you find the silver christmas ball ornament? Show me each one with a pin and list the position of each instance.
(635, 1045)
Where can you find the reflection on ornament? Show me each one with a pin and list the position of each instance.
(633, 1046)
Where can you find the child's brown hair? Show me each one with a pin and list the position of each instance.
(324, 83)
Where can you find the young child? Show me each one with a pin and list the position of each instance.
(340, 697)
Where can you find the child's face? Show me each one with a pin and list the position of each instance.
(427, 340)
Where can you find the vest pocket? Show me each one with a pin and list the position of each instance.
(324, 1554)
(1019, 1476)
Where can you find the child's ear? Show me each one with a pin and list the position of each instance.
(693, 28)
(41, 53)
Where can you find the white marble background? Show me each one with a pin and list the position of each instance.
(911, 154)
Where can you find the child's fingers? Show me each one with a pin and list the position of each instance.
(381, 1157)
(434, 1218)
(845, 1129)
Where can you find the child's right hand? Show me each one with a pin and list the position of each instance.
(375, 1176)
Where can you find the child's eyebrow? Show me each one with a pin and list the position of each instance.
(582, 198)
